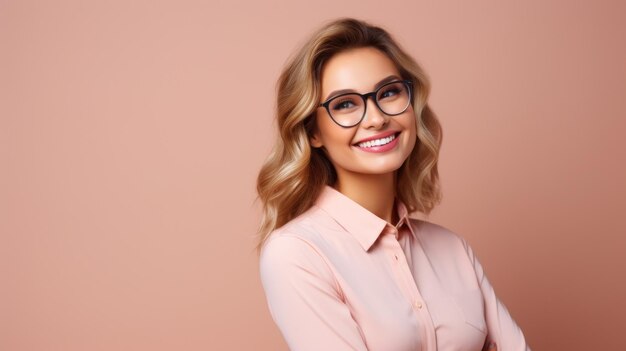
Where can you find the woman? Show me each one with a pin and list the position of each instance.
(342, 264)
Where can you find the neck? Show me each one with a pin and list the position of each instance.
(374, 192)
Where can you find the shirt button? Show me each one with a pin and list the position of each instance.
(396, 256)
(417, 305)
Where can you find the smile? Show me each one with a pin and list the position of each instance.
(377, 142)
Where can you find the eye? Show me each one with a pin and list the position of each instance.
(340, 104)
(389, 92)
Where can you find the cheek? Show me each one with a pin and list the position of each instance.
(411, 129)
(337, 145)
(410, 124)
(335, 136)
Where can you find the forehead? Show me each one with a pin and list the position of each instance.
(359, 69)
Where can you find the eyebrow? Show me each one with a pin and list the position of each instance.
(378, 85)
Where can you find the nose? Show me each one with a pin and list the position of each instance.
(374, 118)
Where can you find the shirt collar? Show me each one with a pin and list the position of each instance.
(357, 220)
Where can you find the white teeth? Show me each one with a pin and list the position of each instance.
(378, 142)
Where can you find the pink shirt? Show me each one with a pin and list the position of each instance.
(340, 278)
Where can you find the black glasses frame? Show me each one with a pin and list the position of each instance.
(407, 83)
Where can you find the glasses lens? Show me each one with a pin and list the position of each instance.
(346, 110)
(393, 98)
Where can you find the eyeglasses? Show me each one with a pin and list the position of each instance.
(348, 110)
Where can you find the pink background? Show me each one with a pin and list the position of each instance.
(131, 133)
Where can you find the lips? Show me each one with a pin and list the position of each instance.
(377, 146)
(378, 139)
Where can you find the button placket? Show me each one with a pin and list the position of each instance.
(407, 277)
(413, 295)
(420, 309)
(395, 256)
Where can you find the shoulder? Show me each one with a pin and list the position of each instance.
(314, 230)
(436, 236)
(433, 231)
(295, 247)
(290, 263)
(287, 244)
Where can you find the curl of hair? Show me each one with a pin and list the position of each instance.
(294, 173)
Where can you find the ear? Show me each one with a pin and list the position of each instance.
(315, 139)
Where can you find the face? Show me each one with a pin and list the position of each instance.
(361, 70)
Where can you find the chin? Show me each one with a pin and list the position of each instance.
(386, 165)
(382, 169)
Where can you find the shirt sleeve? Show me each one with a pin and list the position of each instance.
(502, 329)
(304, 299)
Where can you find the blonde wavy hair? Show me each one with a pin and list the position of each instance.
(294, 174)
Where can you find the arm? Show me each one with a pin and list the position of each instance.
(503, 330)
(304, 299)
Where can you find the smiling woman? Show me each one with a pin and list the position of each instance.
(381, 144)
(342, 264)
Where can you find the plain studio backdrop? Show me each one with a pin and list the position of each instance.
(131, 134)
